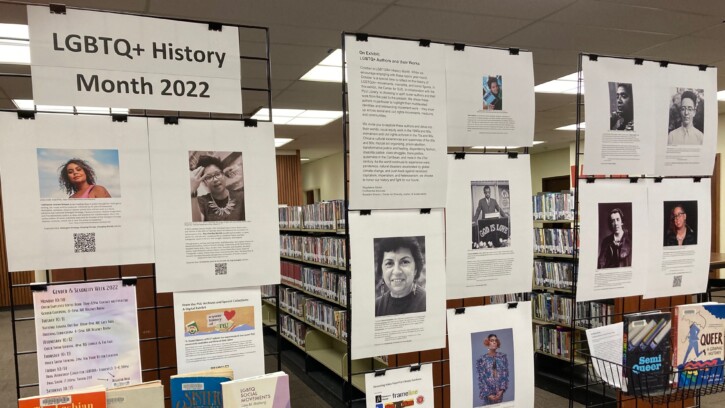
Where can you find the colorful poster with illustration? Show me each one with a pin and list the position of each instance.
(219, 328)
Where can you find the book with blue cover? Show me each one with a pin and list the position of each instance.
(698, 348)
(647, 351)
(202, 389)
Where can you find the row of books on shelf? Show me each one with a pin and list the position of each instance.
(325, 250)
(554, 340)
(554, 206)
(325, 215)
(551, 274)
(323, 282)
(556, 241)
(557, 309)
(510, 297)
(327, 317)
(293, 329)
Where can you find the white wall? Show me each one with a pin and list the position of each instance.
(327, 175)
(548, 164)
(721, 150)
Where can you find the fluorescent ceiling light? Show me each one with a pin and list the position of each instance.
(29, 104)
(537, 142)
(564, 85)
(298, 116)
(15, 49)
(279, 141)
(495, 147)
(14, 31)
(721, 96)
(328, 70)
(572, 126)
(305, 159)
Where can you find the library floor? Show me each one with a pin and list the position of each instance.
(302, 387)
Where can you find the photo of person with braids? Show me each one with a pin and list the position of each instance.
(399, 275)
(217, 186)
(493, 367)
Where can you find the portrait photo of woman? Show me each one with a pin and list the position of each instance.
(492, 353)
(78, 179)
(399, 275)
(217, 186)
(78, 173)
(680, 223)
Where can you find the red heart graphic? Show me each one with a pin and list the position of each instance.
(229, 314)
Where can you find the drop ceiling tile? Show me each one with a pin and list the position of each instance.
(690, 50)
(7, 104)
(704, 7)
(17, 88)
(545, 73)
(525, 9)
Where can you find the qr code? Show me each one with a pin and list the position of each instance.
(85, 242)
(220, 269)
(677, 281)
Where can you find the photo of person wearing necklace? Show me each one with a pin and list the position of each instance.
(615, 249)
(679, 220)
(217, 186)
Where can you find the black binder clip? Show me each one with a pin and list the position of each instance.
(638, 61)
(38, 287)
(57, 8)
(26, 115)
(513, 155)
(513, 51)
(424, 43)
(380, 373)
(250, 122)
(664, 64)
(459, 46)
(365, 212)
(129, 281)
(593, 57)
(119, 118)
(633, 180)
(215, 26)
(590, 179)
(425, 210)
(459, 156)
(513, 305)
(460, 310)
(415, 367)
(171, 120)
(696, 179)
(658, 179)
(702, 67)
(361, 37)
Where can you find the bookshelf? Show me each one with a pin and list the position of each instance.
(313, 291)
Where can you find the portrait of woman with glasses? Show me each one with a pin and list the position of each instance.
(679, 232)
(686, 121)
(217, 186)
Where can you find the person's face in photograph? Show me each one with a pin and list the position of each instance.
(624, 101)
(214, 178)
(494, 88)
(679, 217)
(687, 111)
(615, 221)
(487, 192)
(399, 271)
(493, 343)
(76, 174)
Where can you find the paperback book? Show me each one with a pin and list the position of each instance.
(698, 344)
(91, 397)
(199, 389)
(647, 350)
(264, 391)
(147, 395)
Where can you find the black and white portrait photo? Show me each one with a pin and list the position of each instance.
(687, 117)
(621, 106)
(615, 235)
(491, 224)
(680, 223)
(217, 186)
(399, 275)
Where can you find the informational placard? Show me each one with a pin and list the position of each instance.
(620, 116)
(399, 282)
(605, 346)
(219, 328)
(397, 100)
(76, 191)
(215, 204)
(490, 95)
(87, 58)
(680, 222)
(491, 350)
(404, 387)
(687, 116)
(489, 226)
(614, 253)
(87, 334)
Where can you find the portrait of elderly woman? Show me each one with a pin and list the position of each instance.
(217, 186)
(686, 118)
(399, 275)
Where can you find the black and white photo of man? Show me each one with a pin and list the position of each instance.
(615, 240)
(621, 106)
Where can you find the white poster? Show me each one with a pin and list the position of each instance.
(620, 127)
(76, 191)
(219, 328)
(399, 282)
(687, 115)
(87, 58)
(491, 350)
(403, 387)
(491, 195)
(215, 204)
(680, 222)
(614, 239)
(490, 95)
(397, 101)
(87, 334)
(605, 347)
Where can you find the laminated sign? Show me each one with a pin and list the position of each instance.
(86, 58)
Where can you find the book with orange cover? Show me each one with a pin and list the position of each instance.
(92, 397)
